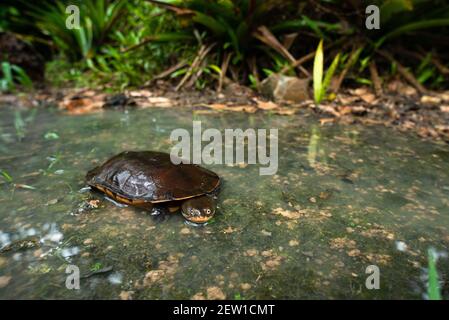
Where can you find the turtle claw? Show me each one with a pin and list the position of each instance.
(157, 211)
(193, 224)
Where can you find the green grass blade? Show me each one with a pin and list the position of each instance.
(7, 75)
(329, 74)
(6, 176)
(318, 73)
(433, 285)
(22, 77)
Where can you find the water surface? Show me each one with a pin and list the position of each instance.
(344, 198)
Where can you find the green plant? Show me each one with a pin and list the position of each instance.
(433, 289)
(320, 85)
(242, 29)
(97, 22)
(12, 74)
(5, 175)
(399, 17)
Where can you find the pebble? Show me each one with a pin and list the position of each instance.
(266, 233)
(198, 296)
(4, 281)
(293, 243)
(215, 293)
(185, 231)
(126, 295)
(245, 286)
(52, 202)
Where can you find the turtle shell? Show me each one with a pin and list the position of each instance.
(151, 177)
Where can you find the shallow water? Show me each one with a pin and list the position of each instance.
(344, 198)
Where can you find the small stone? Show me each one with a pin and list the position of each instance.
(266, 233)
(88, 241)
(152, 277)
(198, 296)
(215, 293)
(185, 231)
(4, 281)
(430, 100)
(228, 230)
(293, 243)
(354, 253)
(126, 295)
(267, 253)
(285, 88)
(245, 286)
(37, 253)
(273, 263)
(94, 203)
(444, 109)
(52, 202)
(251, 252)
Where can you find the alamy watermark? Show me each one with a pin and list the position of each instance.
(261, 146)
(373, 280)
(73, 19)
(373, 17)
(72, 281)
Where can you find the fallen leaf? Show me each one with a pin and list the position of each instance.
(430, 100)
(266, 105)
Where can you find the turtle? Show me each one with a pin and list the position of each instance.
(151, 180)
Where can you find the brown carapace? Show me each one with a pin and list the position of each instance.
(150, 180)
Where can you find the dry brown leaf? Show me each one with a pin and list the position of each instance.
(430, 100)
(324, 121)
(285, 111)
(266, 105)
(444, 108)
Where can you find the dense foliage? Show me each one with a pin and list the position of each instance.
(127, 43)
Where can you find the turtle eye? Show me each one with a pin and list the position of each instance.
(208, 211)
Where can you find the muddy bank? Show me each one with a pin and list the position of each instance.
(400, 107)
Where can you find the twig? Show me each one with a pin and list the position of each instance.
(253, 67)
(420, 56)
(224, 69)
(306, 58)
(202, 52)
(298, 62)
(404, 72)
(140, 44)
(375, 78)
(167, 72)
(342, 76)
(265, 35)
(289, 39)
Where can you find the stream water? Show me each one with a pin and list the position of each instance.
(343, 198)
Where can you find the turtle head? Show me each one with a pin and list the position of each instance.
(199, 210)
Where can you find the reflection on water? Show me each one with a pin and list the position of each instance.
(343, 198)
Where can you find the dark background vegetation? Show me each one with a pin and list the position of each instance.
(129, 43)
